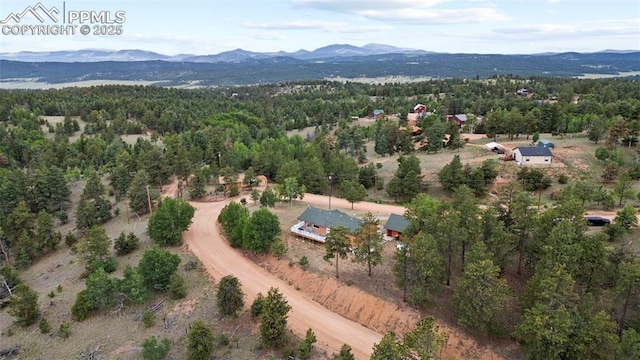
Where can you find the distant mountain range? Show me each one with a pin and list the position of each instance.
(237, 55)
(241, 67)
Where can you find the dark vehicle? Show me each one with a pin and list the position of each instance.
(597, 221)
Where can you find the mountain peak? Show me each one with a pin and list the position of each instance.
(230, 56)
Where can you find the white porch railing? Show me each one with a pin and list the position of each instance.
(298, 229)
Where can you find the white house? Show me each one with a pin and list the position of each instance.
(532, 155)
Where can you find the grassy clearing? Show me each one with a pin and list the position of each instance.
(53, 120)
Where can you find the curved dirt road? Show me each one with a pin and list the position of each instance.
(332, 330)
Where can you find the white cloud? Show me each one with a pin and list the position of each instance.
(445, 16)
(423, 12)
(328, 26)
(356, 6)
(621, 28)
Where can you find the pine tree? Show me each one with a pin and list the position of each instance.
(201, 341)
(169, 221)
(23, 305)
(337, 245)
(94, 248)
(273, 319)
(230, 298)
(368, 243)
(140, 193)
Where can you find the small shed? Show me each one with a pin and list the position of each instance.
(378, 113)
(395, 226)
(546, 143)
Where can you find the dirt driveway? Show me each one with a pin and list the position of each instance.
(204, 240)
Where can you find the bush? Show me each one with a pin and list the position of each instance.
(563, 179)
(62, 216)
(108, 265)
(304, 262)
(64, 330)
(201, 341)
(148, 319)
(230, 297)
(257, 305)
(306, 345)
(83, 307)
(615, 231)
(277, 248)
(177, 288)
(126, 244)
(156, 267)
(223, 339)
(151, 350)
(44, 326)
(71, 240)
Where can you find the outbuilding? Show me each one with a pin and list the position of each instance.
(395, 226)
(546, 143)
(532, 155)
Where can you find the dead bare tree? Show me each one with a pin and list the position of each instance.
(9, 353)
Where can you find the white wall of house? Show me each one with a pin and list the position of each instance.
(531, 160)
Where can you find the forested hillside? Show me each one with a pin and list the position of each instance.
(280, 69)
(511, 266)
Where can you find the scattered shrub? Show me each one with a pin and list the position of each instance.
(563, 179)
(177, 288)
(257, 305)
(83, 307)
(65, 330)
(223, 340)
(71, 240)
(126, 244)
(148, 319)
(44, 326)
(304, 262)
(151, 350)
(277, 248)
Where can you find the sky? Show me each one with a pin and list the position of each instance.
(211, 27)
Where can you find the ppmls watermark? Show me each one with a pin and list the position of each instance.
(40, 20)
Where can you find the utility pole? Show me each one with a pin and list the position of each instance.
(331, 190)
(149, 201)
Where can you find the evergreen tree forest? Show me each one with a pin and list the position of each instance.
(541, 277)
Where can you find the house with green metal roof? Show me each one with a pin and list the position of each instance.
(314, 223)
(396, 226)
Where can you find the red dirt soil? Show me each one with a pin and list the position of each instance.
(334, 311)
